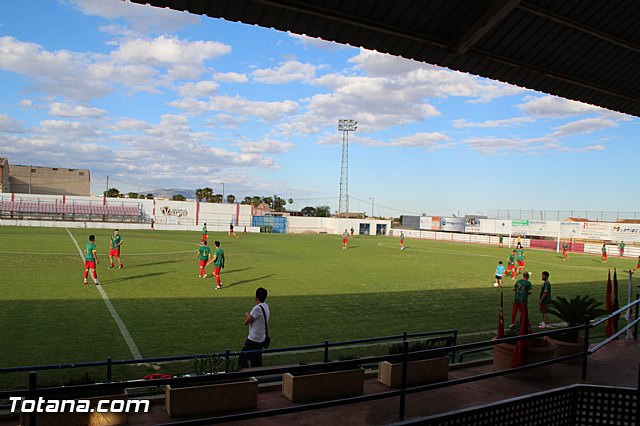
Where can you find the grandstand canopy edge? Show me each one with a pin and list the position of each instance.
(575, 46)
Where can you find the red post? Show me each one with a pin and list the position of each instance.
(237, 213)
(197, 211)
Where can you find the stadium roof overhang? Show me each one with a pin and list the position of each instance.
(586, 50)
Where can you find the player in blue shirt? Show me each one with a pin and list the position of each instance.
(499, 274)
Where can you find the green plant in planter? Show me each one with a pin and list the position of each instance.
(574, 312)
(533, 341)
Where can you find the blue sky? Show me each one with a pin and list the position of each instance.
(162, 99)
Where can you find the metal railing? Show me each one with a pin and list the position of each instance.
(227, 355)
(33, 392)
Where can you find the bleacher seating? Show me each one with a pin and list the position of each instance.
(22, 209)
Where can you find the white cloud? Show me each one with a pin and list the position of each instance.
(63, 130)
(551, 106)
(388, 91)
(199, 89)
(138, 64)
(507, 122)
(142, 18)
(430, 141)
(287, 72)
(59, 72)
(130, 124)
(10, 125)
(501, 146)
(66, 110)
(165, 50)
(317, 43)
(265, 146)
(587, 125)
(236, 105)
(227, 120)
(230, 77)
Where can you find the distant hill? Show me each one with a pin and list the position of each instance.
(170, 192)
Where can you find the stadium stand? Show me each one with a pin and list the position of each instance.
(71, 211)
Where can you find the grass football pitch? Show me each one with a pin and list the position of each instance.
(317, 291)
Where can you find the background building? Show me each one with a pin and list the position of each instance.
(49, 180)
(4, 175)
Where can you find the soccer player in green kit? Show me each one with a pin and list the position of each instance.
(204, 253)
(218, 263)
(91, 259)
(205, 234)
(511, 264)
(114, 251)
(520, 256)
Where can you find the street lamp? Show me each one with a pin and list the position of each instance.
(372, 213)
(223, 200)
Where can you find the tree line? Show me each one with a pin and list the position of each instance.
(207, 195)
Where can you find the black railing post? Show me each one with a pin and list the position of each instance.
(635, 327)
(455, 343)
(403, 384)
(326, 351)
(227, 355)
(33, 386)
(585, 349)
(109, 369)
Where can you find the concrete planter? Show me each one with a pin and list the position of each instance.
(313, 387)
(209, 399)
(503, 354)
(81, 419)
(418, 372)
(568, 348)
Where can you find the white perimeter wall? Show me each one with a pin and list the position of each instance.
(166, 214)
(332, 225)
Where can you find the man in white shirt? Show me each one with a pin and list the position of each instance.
(257, 320)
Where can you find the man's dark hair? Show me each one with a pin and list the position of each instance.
(117, 230)
(261, 294)
(92, 238)
(545, 274)
(217, 243)
(204, 242)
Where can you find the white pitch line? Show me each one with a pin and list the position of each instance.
(135, 352)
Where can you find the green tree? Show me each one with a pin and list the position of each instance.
(247, 201)
(112, 192)
(149, 196)
(323, 211)
(268, 201)
(199, 194)
(278, 203)
(133, 195)
(231, 198)
(309, 211)
(178, 197)
(215, 198)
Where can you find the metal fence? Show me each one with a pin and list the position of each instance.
(34, 392)
(602, 216)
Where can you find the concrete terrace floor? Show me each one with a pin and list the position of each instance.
(617, 364)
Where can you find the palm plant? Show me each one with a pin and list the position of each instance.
(574, 312)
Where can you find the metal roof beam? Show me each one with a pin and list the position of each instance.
(349, 19)
(498, 10)
(531, 8)
(555, 75)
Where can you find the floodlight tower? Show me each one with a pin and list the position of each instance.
(345, 126)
